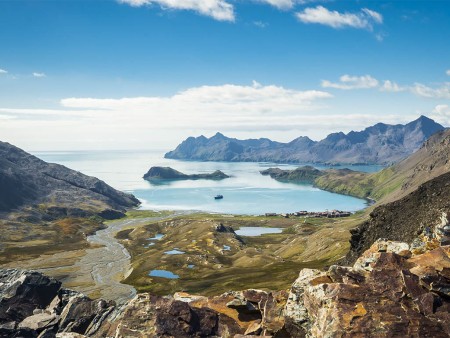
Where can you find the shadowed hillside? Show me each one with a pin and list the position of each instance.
(47, 207)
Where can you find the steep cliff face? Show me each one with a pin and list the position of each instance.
(418, 214)
(379, 144)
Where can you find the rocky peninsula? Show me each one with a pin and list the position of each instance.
(168, 173)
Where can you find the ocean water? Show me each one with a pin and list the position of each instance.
(246, 192)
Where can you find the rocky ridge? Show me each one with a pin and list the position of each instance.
(28, 180)
(389, 291)
(418, 218)
(378, 144)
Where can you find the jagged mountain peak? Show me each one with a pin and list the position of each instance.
(378, 144)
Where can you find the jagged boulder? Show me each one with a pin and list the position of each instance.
(81, 314)
(154, 316)
(387, 293)
(22, 292)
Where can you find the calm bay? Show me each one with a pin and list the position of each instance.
(246, 192)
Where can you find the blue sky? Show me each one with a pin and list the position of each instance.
(146, 74)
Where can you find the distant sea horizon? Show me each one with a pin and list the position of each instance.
(246, 192)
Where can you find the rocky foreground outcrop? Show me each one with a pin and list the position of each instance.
(389, 292)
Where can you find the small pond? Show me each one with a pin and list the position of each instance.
(163, 274)
(174, 252)
(257, 231)
(157, 237)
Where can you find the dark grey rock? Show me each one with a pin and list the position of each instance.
(21, 292)
(27, 180)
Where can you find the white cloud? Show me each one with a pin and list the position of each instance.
(377, 17)
(441, 113)
(422, 90)
(448, 72)
(36, 74)
(282, 4)
(366, 18)
(166, 119)
(380, 36)
(348, 82)
(226, 99)
(2, 71)
(390, 86)
(161, 122)
(443, 109)
(260, 24)
(218, 9)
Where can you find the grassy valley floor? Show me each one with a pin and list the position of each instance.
(212, 259)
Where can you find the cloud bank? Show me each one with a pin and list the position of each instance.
(161, 122)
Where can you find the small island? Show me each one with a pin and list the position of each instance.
(168, 173)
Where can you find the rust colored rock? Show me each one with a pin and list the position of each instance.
(438, 259)
(386, 293)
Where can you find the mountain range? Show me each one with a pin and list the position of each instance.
(378, 144)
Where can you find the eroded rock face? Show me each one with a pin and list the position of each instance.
(387, 293)
(154, 316)
(22, 292)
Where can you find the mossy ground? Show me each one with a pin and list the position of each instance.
(26, 240)
(270, 261)
(375, 186)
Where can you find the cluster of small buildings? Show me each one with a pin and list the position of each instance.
(316, 214)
